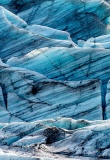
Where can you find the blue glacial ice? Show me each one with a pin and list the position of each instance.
(54, 79)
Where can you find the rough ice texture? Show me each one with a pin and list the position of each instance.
(40, 98)
(17, 40)
(54, 93)
(51, 139)
(67, 64)
(74, 16)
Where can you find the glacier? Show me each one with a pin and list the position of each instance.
(17, 40)
(43, 98)
(54, 79)
(76, 16)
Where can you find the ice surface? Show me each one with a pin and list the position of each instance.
(43, 138)
(49, 32)
(75, 16)
(17, 41)
(32, 93)
(54, 93)
(67, 63)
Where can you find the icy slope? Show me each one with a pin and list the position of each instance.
(74, 16)
(67, 63)
(92, 141)
(30, 96)
(46, 79)
(17, 39)
(51, 139)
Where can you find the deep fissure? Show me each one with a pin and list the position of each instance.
(103, 98)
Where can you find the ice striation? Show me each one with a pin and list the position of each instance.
(54, 79)
(42, 98)
(54, 138)
(66, 63)
(18, 39)
(90, 63)
(74, 16)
